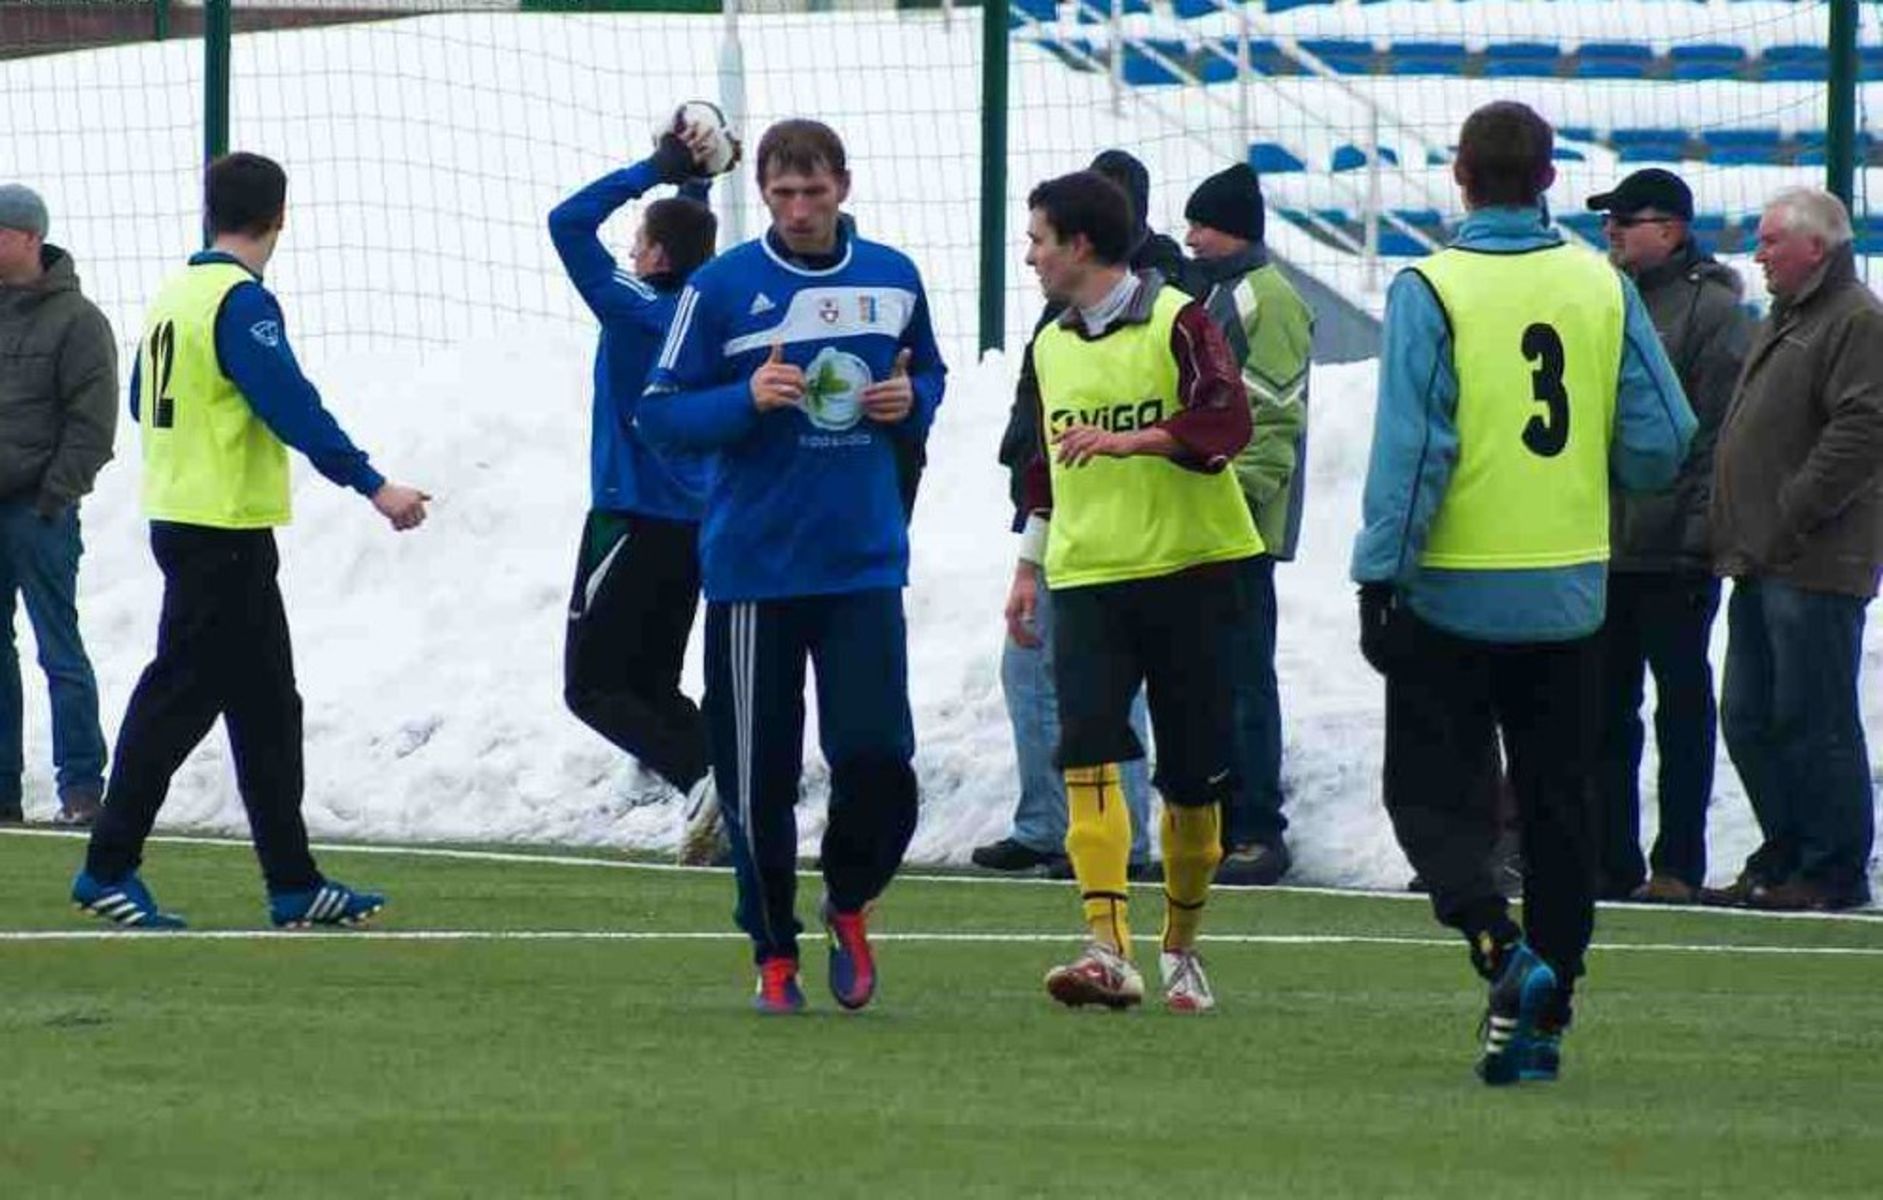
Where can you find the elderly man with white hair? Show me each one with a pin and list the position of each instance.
(1797, 520)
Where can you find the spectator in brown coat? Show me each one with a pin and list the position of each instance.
(1797, 520)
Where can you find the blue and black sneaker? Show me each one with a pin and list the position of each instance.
(852, 965)
(1524, 986)
(329, 904)
(1543, 1056)
(126, 902)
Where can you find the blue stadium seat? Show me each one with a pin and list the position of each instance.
(1352, 158)
(1345, 56)
(1276, 6)
(1611, 68)
(1623, 138)
(1426, 58)
(1265, 57)
(1098, 12)
(1272, 158)
(1795, 73)
(1039, 10)
(1652, 152)
(1712, 224)
(1521, 60)
(1742, 138)
(1577, 133)
(1628, 51)
(1746, 156)
(1188, 9)
(1708, 52)
(1870, 63)
(1795, 64)
(1562, 153)
(1394, 244)
(1141, 70)
(1426, 220)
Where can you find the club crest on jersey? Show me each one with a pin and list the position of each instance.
(833, 388)
(827, 311)
(268, 333)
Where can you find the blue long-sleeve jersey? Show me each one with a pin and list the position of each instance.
(1415, 448)
(252, 350)
(625, 474)
(802, 501)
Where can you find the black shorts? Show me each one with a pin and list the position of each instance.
(1165, 633)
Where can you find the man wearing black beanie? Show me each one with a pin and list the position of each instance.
(1270, 331)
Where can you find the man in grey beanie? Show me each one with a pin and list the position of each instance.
(58, 380)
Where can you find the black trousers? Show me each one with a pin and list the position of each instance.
(1447, 698)
(1165, 634)
(1658, 622)
(637, 589)
(222, 651)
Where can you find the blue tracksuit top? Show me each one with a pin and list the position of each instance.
(625, 475)
(252, 350)
(802, 501)
(1415, 447)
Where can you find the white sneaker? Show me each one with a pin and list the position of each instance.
(1100, 975)
(702, 834)
(1186, 987)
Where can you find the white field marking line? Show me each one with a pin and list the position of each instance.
(629, 935)
(1870, 914)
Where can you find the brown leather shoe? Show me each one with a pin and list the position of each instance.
(1805, 895)
(1665, 889)
(1737, 894)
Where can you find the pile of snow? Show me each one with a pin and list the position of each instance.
(430, 663)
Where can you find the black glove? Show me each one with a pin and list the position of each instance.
(673, 162)
(1379, 607)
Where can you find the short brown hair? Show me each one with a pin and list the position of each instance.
(685, 229)
(800, 145)
(1504, 154)
(244, 193)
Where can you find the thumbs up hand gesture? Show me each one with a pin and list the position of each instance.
(889, 400)
(777, 384)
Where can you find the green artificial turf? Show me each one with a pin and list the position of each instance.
(155, 1066)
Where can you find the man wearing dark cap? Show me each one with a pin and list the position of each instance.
(1662, 594)
(1026, 667)
(1517, 375)
(1270, 331)
(57, 418)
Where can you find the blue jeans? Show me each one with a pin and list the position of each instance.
(39, 560)
(1790, 713)
(1026, 679)
(1254, 813)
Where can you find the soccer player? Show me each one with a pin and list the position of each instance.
(637, 579)
(1517, 376)
(218, 397)
(1141, 410)
(802, 358)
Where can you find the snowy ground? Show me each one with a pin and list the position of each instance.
(430, 663)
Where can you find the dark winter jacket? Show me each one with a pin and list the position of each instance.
(1694, 301)
(58, 388)
(1020, 442)
(1798, 472)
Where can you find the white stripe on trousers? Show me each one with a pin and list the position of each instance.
(743, 653)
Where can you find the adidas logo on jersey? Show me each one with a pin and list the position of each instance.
(761, 303)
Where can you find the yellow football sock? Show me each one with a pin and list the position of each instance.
(1098, 841)
(1193, 847)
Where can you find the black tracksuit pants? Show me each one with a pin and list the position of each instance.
(637, 589)
(222, 651)
(1447, 698)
